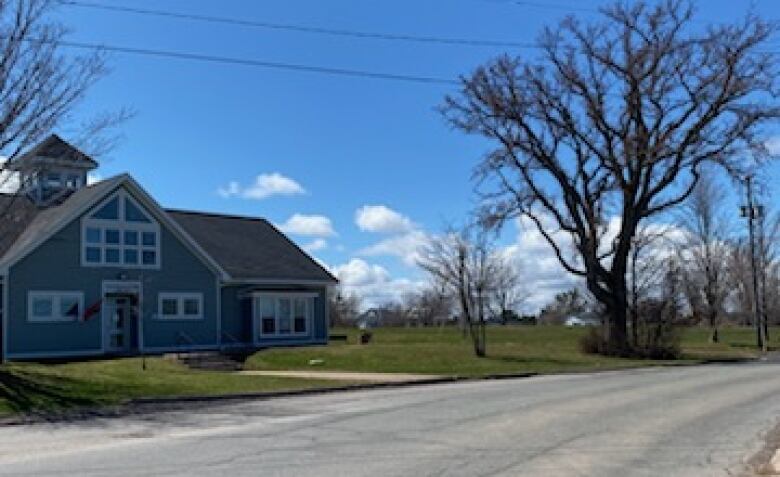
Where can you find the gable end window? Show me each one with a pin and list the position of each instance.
(120, 233)
(54, 306)
(180, 306)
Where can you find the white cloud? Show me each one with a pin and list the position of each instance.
(308, 225)
(541, 273)
(93, 177)
(318, 244)
(773, 145)
(405, 246)
(382, 219)
(264, 186)
(372, 283)
(358, 272)
(405, 237)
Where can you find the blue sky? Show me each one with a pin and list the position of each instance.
(333, 144)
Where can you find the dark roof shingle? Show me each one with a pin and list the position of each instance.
(39, 222)
(54, 147)
(17, 212)
(250, 248)
(246, 248)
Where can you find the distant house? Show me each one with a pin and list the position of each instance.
(371, 318)
(582, 319)
(102, 269)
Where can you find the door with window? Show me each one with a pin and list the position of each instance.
(121, 316)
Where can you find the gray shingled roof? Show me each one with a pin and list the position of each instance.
(17, 212)
(36, 222)
(246, 248)
(250, 248)
(54, 147)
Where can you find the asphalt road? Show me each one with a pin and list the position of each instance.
(693, 421)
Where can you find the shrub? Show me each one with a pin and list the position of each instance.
(658, 340)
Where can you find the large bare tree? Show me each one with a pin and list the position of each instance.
(614, 119)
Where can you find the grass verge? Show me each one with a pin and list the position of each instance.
(511, 349)
(31, 387)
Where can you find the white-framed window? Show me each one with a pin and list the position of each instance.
(73, 181)
(54, 306)
(120, 233)
(53, 179)
(180, 306)
(280, 315)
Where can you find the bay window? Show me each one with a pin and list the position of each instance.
(279, 315)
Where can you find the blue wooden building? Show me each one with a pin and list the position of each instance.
(102, 269)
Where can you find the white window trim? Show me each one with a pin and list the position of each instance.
(122, 226)
(180, 297)
(56, 297)
(258, 319)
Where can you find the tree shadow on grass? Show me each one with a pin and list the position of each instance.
(32, 393)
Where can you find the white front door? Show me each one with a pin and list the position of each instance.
(121, 305)
(120, 318)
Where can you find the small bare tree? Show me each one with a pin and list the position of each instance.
(614, 120)
(508, 292)
(740, 272)
(564, 304)
(646, 271)
(464, 263)
(429, 306)
(704, 252)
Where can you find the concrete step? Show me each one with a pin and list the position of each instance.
(209, 361)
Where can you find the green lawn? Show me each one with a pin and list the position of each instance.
(512, 349)
(30, 387)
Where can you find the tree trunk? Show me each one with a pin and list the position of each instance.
(617, 311)
(713, 319)
(617, 332)
(478, 338)
(615, 302)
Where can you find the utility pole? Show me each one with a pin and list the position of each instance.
(762, 277)
(751, 212)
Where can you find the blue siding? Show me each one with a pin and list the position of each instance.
(237, 316)
(55, 266)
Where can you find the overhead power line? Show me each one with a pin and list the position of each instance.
(297, 28)
(259, 63)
